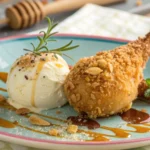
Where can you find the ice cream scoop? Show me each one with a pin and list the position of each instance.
(36, 82)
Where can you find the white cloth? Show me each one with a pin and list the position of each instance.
(96, 20)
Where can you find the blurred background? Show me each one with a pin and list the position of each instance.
(141, 7)
(126, 19)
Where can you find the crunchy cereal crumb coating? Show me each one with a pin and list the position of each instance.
(107, 83)
(53, 132)
(35, 120)
(72, 129)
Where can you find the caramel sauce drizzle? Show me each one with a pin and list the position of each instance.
(138, 129)
(3, 76)
(38, 70)
(50, 117)
(2, 89)
(4, 104)
(132, 117)
(146, 124)
(95, 136)
(37, 131)
(6, 124)
(118, 132)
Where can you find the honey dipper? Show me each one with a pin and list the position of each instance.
(28, 12)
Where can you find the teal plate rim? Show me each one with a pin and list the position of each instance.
(74, 36)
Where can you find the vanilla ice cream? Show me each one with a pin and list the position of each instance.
(36, 82)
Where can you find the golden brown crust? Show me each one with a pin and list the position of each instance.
(107, 83)
(53, 132)
(72, 129)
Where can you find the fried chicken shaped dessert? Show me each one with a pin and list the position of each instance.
(107, 83)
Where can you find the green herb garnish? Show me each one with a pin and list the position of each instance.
(43, 40)
(147, 92)
(148, 82)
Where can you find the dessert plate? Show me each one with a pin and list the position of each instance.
(114, 133)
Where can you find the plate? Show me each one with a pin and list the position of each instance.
(12, 48)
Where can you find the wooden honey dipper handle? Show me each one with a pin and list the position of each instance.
(28, 12)
(4, 21)
(68, 5)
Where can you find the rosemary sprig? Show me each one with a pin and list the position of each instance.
(42, 46)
